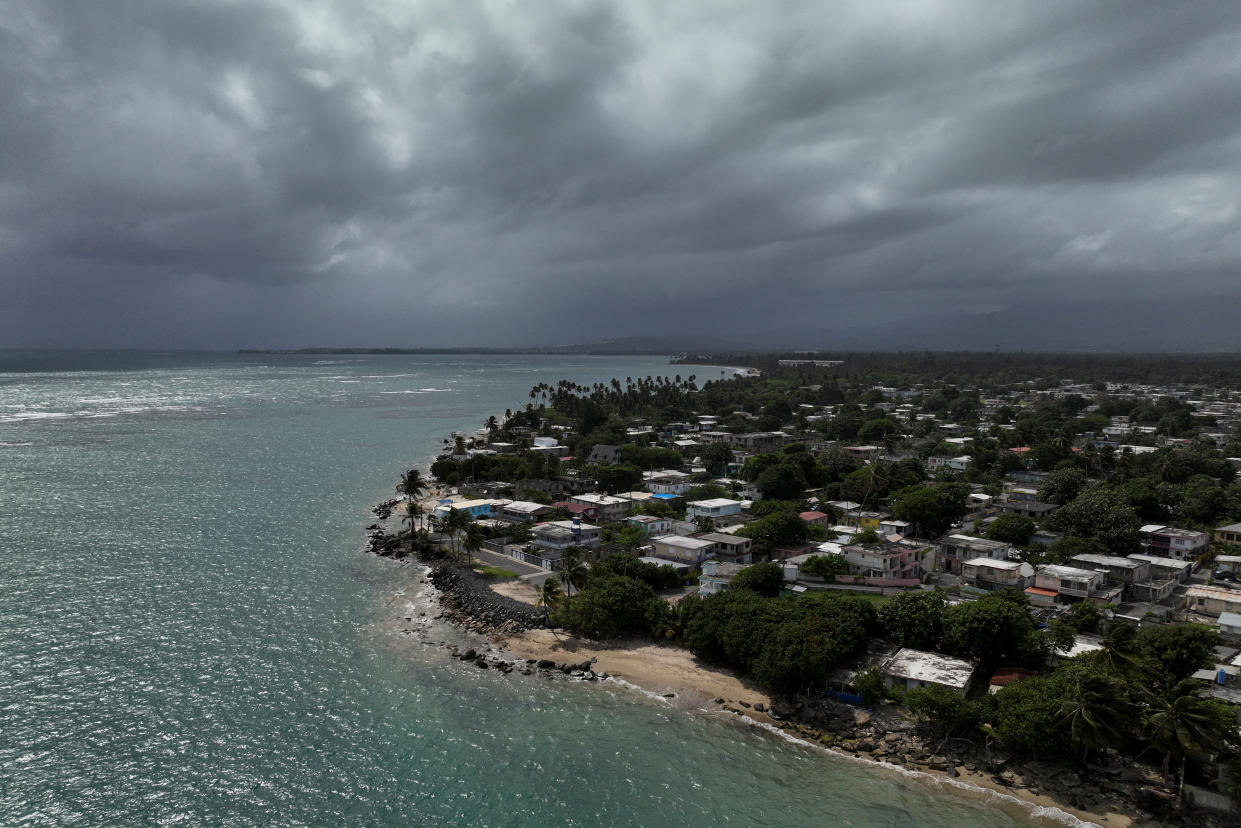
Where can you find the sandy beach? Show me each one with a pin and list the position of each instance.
(679, 676)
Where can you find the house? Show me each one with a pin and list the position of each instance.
(952, 551)
(1181, 544)
(683, 549)
(815, 518)
(990, 574)
(887, 560)
(914, 669)
(713, 508)
(1162, 568)
(1230, 624)
(651, 525)
(892, 526)
(951, 463)
(523, 511)
(559, 535)
(577, 510)
(1074, 584)
(1232, 563)
(1126, 572)
(1032, 509)
(870, 520)
(476, 509)
(730, 548)
(1212, 600)
(716, 576)
(610, 509)
(759, 442)
(603, 455)
(1229, 534)
(667, 482)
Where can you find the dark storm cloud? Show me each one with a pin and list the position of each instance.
(281, 173)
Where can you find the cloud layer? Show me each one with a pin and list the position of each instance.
(311, 172)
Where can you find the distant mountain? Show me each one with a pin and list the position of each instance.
(660, 345)
(1129, 326)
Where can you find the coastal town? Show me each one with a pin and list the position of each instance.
(1007, 573)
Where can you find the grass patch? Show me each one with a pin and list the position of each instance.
(495, 571)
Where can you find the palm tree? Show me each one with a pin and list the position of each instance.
(413, 516)
(573, 571)
(550, 595)
(473, 541)
(1184, 725)
(412, 484)
(452, 524)
(1095, 716)
(1120, 656)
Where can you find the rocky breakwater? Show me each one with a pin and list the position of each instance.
(469, 600)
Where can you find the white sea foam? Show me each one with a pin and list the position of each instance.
(1041, 811)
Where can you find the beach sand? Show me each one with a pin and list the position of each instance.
(679, 676)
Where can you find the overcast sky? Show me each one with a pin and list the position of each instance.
(276, 173)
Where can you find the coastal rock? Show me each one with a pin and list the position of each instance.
(546, 664)
(760, 707)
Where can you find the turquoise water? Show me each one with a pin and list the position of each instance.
(190, 633)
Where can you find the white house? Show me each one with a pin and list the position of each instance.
(558, 535)
(683, 549)
(915, 669)
(716, 576)
(713, 508)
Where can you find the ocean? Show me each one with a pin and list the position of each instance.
(191, 633)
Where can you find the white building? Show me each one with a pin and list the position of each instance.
(682, 549)
(713, 508)
(915, 669)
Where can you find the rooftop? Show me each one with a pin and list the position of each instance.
(929, 667)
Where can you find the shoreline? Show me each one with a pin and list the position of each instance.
(675, 676)
(678, 677)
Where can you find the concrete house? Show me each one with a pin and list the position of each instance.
(1181, 544)
(1125, 572)
(608, 508)
(990, 574)
(1212, 600)
(730, 548)
(715, 507)
(952, 551)
(1072, 584)
(914, 669)
(716, 575)
(559, 535)
(687, 550)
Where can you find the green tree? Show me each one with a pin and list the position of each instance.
(915, 619)
(1094, 715)
(1062, 485)
(782, 482)
(870, 685)
(1014, 529)
(1183, 725)
(997, 628)
(1177, 651)
(716, 457)
(613, 606)
(943, 712)
(1099, 513)
(472, 540)
(412, 485)
(931, 508)
(550, 595)
(761, 578)
(573, 571)
(825, 566)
